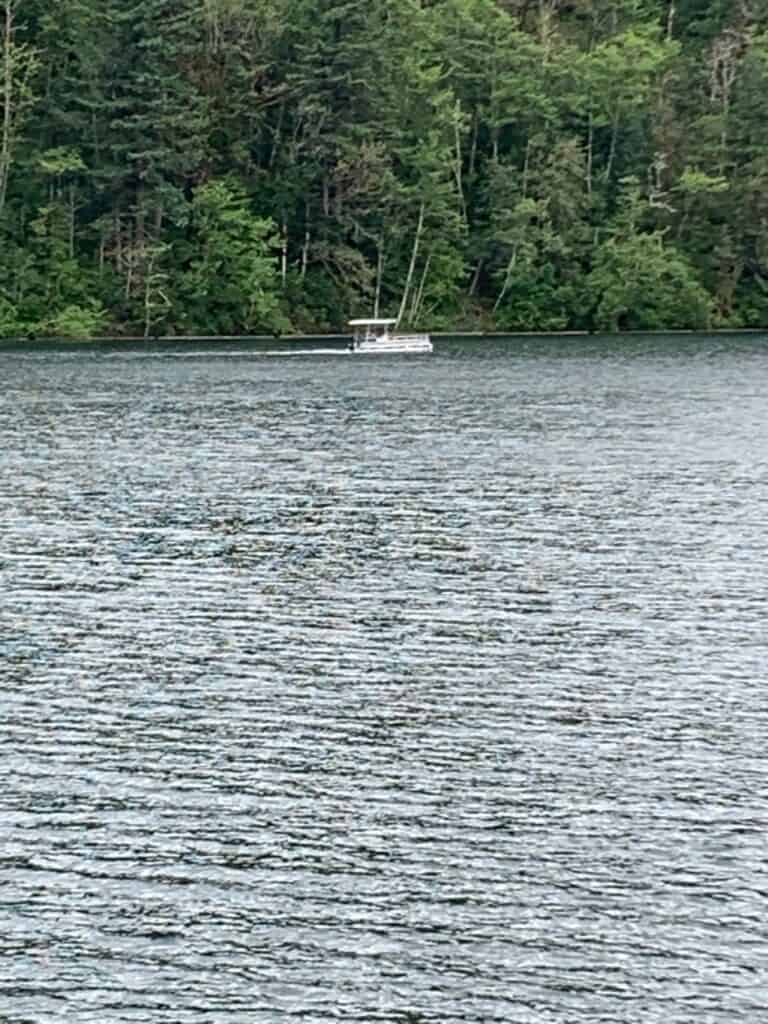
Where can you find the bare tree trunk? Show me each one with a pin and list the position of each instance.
(127, 254)
(214, 29)
(154, 297)
(305, 246)
(507, 278)
(5, 142)
(71, 224)
(277, 136)
(513, 258)
(412, 266)
(612, 149)
(148, 297)
(473, 147)
(379, 276)
(129, 277)
(459, 182)
(284, 255)
(724, 63)
(526, 166)
(19, 62)
(118, 239)
(476, 277)
(417, 302)
(139, 235)
(547, 11)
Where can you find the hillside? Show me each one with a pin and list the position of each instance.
(227, 166)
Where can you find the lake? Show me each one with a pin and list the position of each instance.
(399, 689)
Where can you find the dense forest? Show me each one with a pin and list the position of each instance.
(232, 166)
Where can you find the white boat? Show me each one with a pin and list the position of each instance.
(373, 337)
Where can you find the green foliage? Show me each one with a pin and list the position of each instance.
(230, 281)
(76, 322)
(638, 283)
(44, 290)
(695, 183)
(533, 301)
(11, 324)
(226, 166)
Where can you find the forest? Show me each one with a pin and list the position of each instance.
(172, 167)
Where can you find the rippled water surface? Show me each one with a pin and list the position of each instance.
(411, 689)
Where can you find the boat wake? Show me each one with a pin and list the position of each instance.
(304, 352)
(224, 353)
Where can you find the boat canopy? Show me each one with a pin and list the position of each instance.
(371, 323)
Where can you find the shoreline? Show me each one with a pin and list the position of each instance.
(340, 337)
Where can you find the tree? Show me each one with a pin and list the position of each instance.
(613, 84)
(442, 161)
(229, 283)
(637, 281)
(18, 66)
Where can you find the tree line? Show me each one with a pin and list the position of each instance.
(233, 166)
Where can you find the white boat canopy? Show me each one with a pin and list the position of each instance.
(371, 323)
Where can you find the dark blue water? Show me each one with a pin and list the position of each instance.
(346, 688)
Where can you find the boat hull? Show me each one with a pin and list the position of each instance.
(393, 343)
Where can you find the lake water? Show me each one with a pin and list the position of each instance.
(401, 689)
